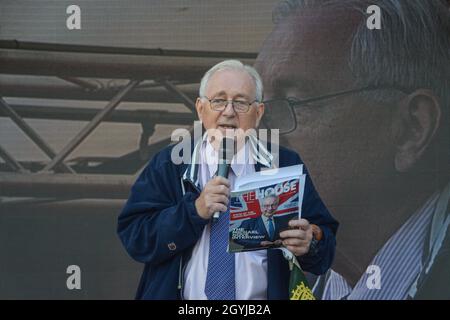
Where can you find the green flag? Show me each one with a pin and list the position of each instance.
(298, 285)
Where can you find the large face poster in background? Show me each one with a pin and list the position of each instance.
(91, 90)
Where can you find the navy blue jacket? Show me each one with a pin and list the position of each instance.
(159, 227)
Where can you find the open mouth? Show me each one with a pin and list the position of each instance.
(226, 127)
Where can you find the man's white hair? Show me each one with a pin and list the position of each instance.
(233, 65)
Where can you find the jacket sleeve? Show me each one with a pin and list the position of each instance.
(153, 226)
(315, 211)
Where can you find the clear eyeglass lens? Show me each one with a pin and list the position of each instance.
(239, 106)
(218, 103)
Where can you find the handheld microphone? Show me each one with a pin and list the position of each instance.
(226, 153)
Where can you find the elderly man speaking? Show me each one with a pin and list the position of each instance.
(167, 221)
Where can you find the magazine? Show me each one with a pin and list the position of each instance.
(261, 206)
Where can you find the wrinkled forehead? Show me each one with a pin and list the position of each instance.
(231, 81)
(310, 45)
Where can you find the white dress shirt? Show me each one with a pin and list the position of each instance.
(250, 267)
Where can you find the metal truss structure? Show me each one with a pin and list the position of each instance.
(109, 74)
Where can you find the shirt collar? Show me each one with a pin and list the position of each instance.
(210, 156)
(256, 150)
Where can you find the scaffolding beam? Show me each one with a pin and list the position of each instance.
(33, 135)
(109, 62)
(10, 161)
(60, 47)
(86, 114)
(60, 185)
(37, 88)
(94, 123)
(188, 102)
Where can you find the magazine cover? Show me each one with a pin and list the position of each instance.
(258, 215)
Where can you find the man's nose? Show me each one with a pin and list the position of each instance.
(229, 109)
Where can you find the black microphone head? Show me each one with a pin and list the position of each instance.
(227, 150)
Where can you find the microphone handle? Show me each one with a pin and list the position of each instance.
(222, 171)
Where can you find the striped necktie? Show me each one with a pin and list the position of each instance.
(220, 277)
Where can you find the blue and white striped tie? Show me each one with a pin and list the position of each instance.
(220, 277)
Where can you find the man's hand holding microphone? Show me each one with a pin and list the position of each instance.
(213, 198)
(215, 195)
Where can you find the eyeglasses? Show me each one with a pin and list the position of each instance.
(240, 106)
(279, 113)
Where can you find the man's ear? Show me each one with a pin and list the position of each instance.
(199, 107)
(415, 126)
(259, 113)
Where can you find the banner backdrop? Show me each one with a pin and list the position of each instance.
(90, 91)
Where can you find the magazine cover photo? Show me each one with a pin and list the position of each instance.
(258, 215)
